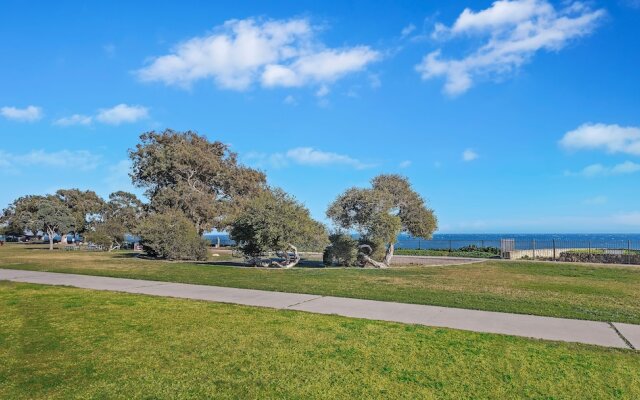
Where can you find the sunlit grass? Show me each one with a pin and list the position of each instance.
(63, 343)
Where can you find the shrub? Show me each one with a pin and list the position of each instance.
(342, 250)
(172, 236)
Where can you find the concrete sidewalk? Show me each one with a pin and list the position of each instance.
(617, 335)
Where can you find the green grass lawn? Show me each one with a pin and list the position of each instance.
(606, 293)
(63, 343)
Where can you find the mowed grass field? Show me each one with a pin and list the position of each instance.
(64, 343)
(605, 293)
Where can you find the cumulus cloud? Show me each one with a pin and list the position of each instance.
(122, 113)
(308, 156)
(273, 53)
(610, 138)
(28, 114)
(75, 119)
(78, 160)
(407, 30)
(469, 155)
(627, 167)
(511, 33)
(596, 200)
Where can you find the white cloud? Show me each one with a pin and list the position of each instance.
(627, 167)
(311, 156)
(28, 114)
(512, 31)
(611, 138)
(122, 113)
(596, 200)
(308, 156)
(407, 30)
(290, 100)
(405, 164)
(75, 119)
(469, 155)
(323, 91)
(81, 160)
(273, 53)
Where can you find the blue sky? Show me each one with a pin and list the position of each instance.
(513, 116)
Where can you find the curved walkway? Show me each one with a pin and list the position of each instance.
(617, 335)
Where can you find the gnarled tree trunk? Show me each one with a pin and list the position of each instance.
(289, 262)
(365, 254)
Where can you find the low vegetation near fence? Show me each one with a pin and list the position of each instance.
(470, 251)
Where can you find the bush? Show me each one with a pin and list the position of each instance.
(342, 250)
(172, 236)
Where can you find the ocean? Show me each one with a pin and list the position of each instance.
(522, 241)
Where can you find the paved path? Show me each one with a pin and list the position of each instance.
(568, 330)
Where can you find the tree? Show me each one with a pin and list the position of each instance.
(342, 250)
(380, 214)
(84, 206)
(185, 171)
(40, 213)
(172, 236)
(273, 221)
(120, 216)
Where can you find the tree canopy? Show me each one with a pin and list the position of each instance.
(46, 214)
(84, 205)
(186, 171)
(380, 213)
(120, 215)
(273, 221)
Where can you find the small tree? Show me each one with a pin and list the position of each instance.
(40, 213)
(380, 214)
(273, 221)
(342, 250)
(172, 236)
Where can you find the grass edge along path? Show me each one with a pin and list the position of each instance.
(597, 293)
(60, 342)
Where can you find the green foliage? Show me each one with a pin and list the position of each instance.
(445, 253)
(381, 213)
(120, 215)
(172, 236)
(187, 172)
(341, 251)
(84, 206)
(46, 214)
(273, 221)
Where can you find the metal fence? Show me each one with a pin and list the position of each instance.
(599, 251)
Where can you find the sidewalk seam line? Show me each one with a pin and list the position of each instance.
(624, 339)
(306, 301)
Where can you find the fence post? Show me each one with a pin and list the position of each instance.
(419, 244)
(449, 245)
(554, 249)
(533, 244)
(589, 250)
(628, 251)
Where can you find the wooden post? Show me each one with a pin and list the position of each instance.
(554, 249)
